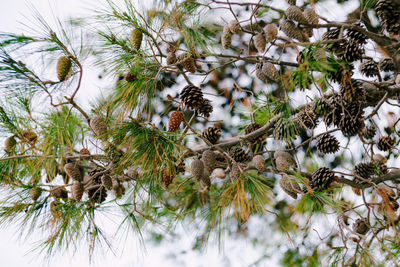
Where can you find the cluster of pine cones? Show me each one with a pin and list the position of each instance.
(96, 182)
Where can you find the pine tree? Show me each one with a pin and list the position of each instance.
(168, 142)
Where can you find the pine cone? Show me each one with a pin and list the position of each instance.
(387, 11)
(98, 125)
(342, 72)
(327, 144)
(187, 62)
(352, 52)
(73, 171)
(175, 121)
(369, 132)
(226, 37)
(29, 136)
(77, 190)
(113, 153)
(171, 58)
(312, 18)
(307, 118)
(260, 42)
(205, 181)
(212, 134)
(295, 13)
(238, 154)
(35, 193)
(284, 161)
(208, 158)
(259, 73)
(269, 70)
(331, 34)
(235, 172)
(59, 192)
(364, 170)
(356, 36)
(291, 2)
(290, 29)
(369, 68)
(197, 169)
(352, 90)
(97, 194)
(9, 144)
(106, 181)
(270, 32)
(259, 163)
(192, 96)
(130, 77)
(379, 159)
(136, 38)
(385, 143)
(234, 27)
(321, 178)
(64, 65)
(360, 227)
(84, 152)
(206, 108)
(386, 64)
(310, 15)
(350, 126)
(289, 185)
(118, 188)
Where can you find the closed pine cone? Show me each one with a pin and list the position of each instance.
(270, 71)
(234, 26)
(284, 161)
(270, 32)
(59, 192)
(259, 163)
(226, 38)
(35, 193)
(63, 67)
(136, 38)
(208, 158)
(260, 42)
(295, 13)
(171, 58)
(289, 185)
(235, 172)
(73, 171)
(197, 169)
(175, 121)
(106, 181)
(98, 125)
(77, 190)
(290, 29)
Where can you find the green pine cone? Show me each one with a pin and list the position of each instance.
(136, 38)
(63, 67)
